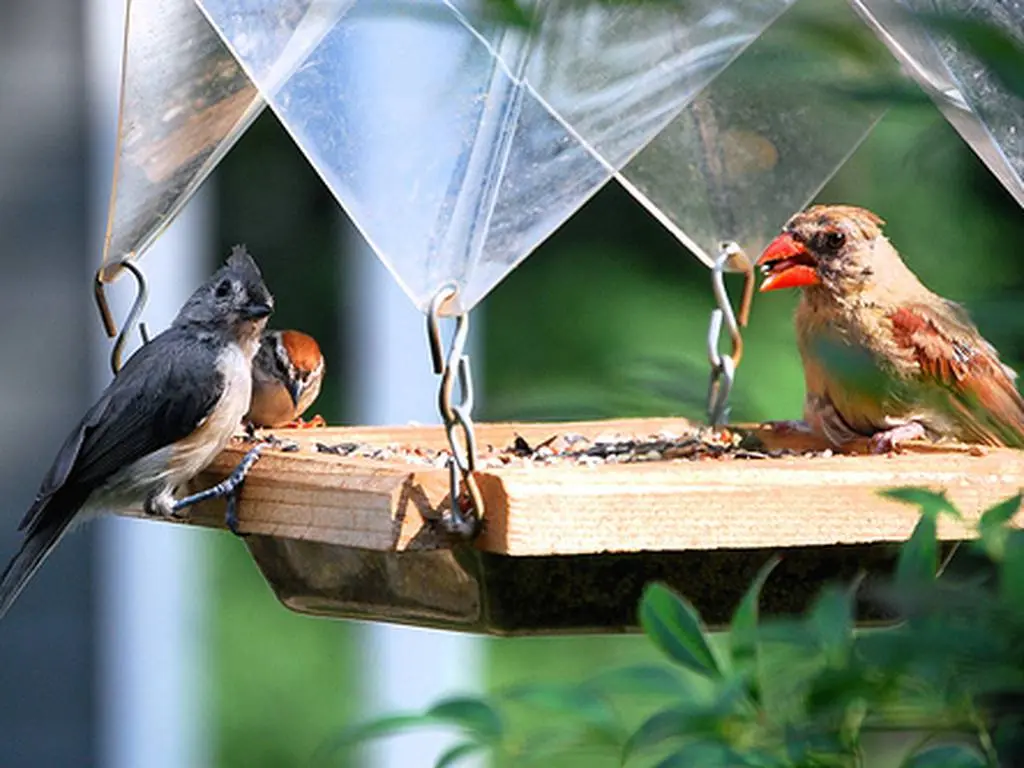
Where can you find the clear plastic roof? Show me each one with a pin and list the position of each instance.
(184, 102)
(457, 144)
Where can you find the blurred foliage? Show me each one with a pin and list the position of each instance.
(608, 318)
(282, 680)
(787, 692)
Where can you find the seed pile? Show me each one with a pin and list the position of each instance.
(569, 448)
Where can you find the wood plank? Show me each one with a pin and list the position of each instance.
(568, 509)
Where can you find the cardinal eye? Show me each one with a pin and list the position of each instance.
(223, 289)
(834, 240)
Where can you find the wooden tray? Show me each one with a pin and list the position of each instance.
(567, 547)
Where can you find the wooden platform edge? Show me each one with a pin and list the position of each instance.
(660, 506)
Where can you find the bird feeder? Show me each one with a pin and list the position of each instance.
(482, 153)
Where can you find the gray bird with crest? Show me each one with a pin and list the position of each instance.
(168, 412)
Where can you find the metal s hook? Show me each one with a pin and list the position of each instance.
(456, 416)
(107, 317)
(723, 366)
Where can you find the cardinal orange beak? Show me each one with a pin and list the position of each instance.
(786, 263)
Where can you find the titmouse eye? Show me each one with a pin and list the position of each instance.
(223, 289)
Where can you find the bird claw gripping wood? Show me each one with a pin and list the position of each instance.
(229, 489)
(723, 366)
(466, 510)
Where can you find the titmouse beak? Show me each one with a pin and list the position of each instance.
(295, 388)
(258, 310)
(786, 263)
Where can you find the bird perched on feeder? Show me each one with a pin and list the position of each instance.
(883, 356)
(168, 412)
(286, 378)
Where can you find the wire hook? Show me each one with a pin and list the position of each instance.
(107, 317)
(456, 416)
(723, 366)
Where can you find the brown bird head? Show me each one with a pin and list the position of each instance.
(837, 247)
(302, 365)
(287, 374)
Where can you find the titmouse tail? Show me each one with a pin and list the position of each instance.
(33, 552)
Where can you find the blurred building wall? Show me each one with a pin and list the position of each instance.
(47, 714)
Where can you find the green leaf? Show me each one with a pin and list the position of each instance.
(472, 714)
(833, 689)
(743, 630)
(1001, 513)
(378, 728)
(640, 679)
(572, 701)
(930, 502)
(690, 720)
(919, 556)
(674, 626)
(706, 754)
(674, 723)
(832, 619)
(992, 527)
(543, 747)
(946, 756)
(667, 724)
(456, 753)
(1011, 573)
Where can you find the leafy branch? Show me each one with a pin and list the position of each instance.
(788, 692)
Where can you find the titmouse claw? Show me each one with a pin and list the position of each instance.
(231, 514)
(229, 488)
(161, 504)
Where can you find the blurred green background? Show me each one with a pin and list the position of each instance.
(607, 318)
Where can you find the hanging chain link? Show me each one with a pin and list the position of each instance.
(463, 518)
(723, 366)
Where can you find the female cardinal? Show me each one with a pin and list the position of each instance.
(883, 356)
(286, 378)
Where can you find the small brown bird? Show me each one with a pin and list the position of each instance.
(883, 356)
(286, 378)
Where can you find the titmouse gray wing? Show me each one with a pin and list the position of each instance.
(163, 393)
(133, 418)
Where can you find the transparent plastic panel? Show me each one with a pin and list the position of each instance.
(987, 115)
(688, 103)
(465, 143)
(618, 73)
(184, 103)
(451, 169)
(272, 39)
(755, 146)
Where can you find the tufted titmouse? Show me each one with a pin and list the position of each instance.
(169, 411)
(286, 378)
